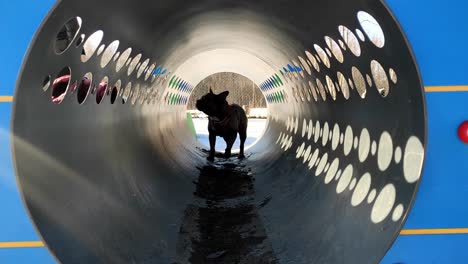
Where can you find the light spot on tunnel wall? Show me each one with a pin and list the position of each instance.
(398, 212)
(310, 130)
(362, 189)
(385, 151)
(317, 131)
(352, 184)
(336, 136)
(397, 155)
(338, 175)
(371, 196)
(313, 159)
(348, 140)
(383, 204)
(326, 130)
(332, 171)
(345, 179)
(321, 164)
(413, 159)
(307, 154)
(299, 150)
(373, 148)
(364, 145)
(304, 127)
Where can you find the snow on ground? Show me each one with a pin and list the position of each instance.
(255, 129)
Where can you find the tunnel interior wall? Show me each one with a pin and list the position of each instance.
(339, 165)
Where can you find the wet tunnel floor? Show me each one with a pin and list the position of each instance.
(222, 225)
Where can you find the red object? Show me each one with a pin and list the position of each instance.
(463, 131)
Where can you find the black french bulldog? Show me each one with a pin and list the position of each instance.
(225, 121)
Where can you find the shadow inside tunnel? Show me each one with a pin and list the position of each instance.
(222, 224)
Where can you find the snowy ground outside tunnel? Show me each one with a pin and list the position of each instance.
(255, 130)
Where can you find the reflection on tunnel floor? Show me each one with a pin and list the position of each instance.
(222, 225)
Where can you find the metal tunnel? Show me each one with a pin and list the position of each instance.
(110, 172)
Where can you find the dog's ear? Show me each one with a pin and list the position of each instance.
(223, 95)
(211, 91)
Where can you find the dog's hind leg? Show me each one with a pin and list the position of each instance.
(212, 138)
(229, 142)
(242, 136)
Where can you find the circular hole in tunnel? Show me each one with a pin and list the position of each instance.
(67, 35)
(101, 89)
(243, 92)
(60, 85)
(84, 87)
(80, 40)
(91, 45)
(114, 91)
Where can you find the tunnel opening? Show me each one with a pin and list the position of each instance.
(331, 180)
(243, 92)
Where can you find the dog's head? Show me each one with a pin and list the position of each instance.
(212, 104)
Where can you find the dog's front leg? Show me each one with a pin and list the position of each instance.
(229, 142)
(212, 146)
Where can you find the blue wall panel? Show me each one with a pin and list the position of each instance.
(428, 249)
(438, 33)
(444, 187)
(26, 256)
(18, 23)
(14, 221)
(15, 225)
